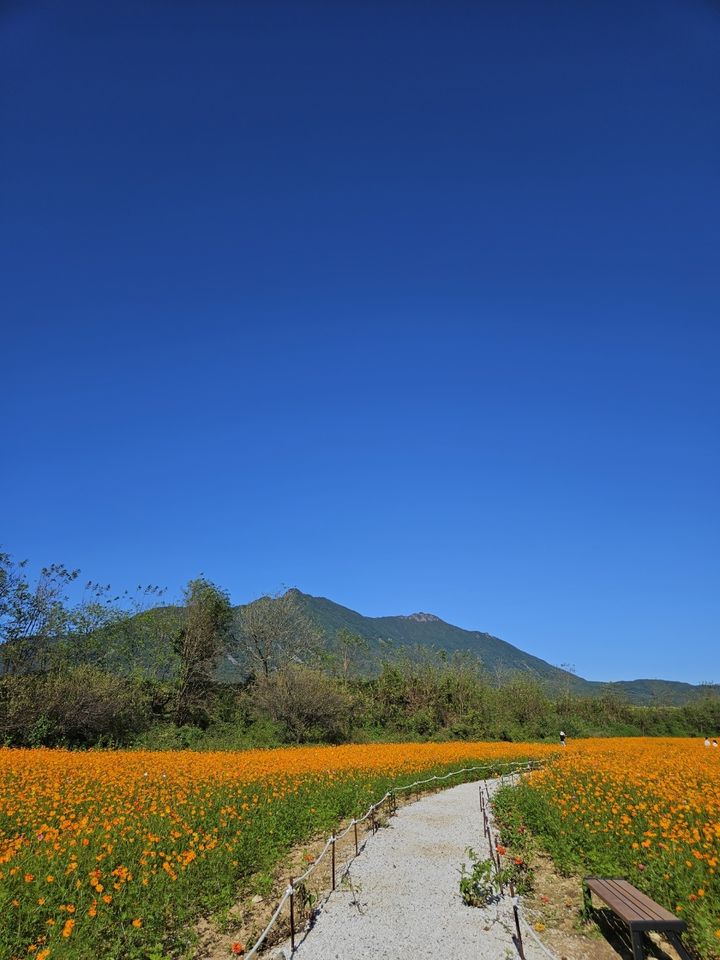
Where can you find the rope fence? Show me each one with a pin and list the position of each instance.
(295, 886)
(521, 920)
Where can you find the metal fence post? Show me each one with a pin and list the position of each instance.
(333, 861)
(499, 864)
(516, 914)
(292, 916)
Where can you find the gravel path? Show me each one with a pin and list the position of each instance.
(401, 897)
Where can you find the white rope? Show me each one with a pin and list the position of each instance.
(536, 938)
(313, 865)
(271, 923)
(528, 765)
(348, 828)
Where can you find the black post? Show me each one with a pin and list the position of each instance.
(333, 862)
(499, 864)
(516, 914)
(292, 916)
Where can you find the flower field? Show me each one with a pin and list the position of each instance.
(115, 854)
(645, 809)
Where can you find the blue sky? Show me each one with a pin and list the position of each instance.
(411, 305)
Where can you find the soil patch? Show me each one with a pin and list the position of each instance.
(555, 910)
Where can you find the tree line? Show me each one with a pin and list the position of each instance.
(108, 670)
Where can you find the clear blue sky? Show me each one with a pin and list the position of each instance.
(412, 305)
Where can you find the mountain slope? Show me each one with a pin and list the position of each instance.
(499, 658)
(150, 644)
(382, 634)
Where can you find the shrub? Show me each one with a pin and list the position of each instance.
(78, 707)
(308, 704)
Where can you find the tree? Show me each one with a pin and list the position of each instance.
(273, 632)
(33, 617)
(201, 640)
(106, 630)
(347, 648)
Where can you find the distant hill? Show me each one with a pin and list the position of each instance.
(384, 634)
(499, 658)
(151, 647)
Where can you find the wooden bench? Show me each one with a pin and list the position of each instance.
(637, 910)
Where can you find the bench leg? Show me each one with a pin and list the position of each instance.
(637, 947)
(587, 902)
(678, 944)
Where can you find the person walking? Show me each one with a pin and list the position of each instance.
(707, 741)
(562, 738)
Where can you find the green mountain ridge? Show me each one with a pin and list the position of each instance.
(499, 657)
(385, 637)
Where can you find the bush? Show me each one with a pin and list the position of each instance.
(78, 707)
(309, 705)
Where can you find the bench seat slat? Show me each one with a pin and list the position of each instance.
(644, 907)
(632, 906)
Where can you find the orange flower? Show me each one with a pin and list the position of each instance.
(238, 948)
(137, 923)
(68, 928)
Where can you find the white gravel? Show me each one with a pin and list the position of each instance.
(401, 896)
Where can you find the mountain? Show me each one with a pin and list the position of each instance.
(383, 634)
(149, 644)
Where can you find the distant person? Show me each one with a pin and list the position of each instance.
(714, 742)
(707, 741)
(562, 738)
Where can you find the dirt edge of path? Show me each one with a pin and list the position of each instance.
(246, 919)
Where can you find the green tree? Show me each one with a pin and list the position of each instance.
(201, 640)
(33, 616)
(274, 632)
(347, 649)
